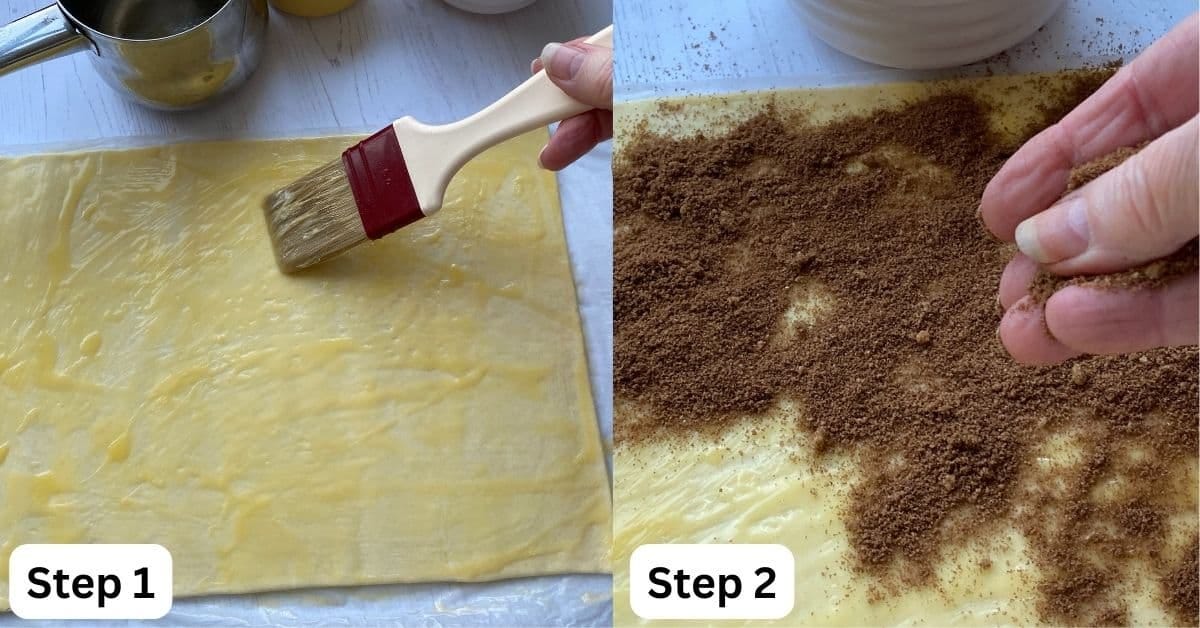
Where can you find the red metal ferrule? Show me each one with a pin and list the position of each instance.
(382, 187)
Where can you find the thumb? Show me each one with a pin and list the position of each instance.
(581, 70)
(1142, 210)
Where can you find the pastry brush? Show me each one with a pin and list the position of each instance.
(400, 174)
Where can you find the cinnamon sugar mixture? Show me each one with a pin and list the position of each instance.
(873, 218)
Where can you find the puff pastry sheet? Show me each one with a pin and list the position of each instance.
(416, 410)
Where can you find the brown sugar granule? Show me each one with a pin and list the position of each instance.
(1078, 375)
(867, 224)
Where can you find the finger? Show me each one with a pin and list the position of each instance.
(1024, 335)
(1154, 93)
(574, 137)
(1106, 321)
(581, 70)
(536, 66)
(1014, 282)
(1142, 210)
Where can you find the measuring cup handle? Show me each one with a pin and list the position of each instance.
(37, 37)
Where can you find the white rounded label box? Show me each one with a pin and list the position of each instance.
(119, 581)
(712, 581)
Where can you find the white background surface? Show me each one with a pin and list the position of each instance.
(357, 71)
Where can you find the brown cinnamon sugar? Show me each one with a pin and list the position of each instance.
(1181, 589)
(1155, 274)
(1082, 175)
(1117, 616)
(723, 241)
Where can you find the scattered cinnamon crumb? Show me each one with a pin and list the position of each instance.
(1078, 375)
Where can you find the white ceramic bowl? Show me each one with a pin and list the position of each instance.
(489, 6)
(924, 34)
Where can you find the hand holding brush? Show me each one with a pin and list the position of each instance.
(584, 72)
(400, 174)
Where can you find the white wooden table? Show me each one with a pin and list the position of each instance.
(357, 71)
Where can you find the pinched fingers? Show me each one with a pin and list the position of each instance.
(1155, 93)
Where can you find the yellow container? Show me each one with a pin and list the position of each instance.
(311, 8)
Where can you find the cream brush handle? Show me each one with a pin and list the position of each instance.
(433, 154)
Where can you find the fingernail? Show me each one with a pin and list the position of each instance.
(1057, 234)
(561, 62)
(1027, 240)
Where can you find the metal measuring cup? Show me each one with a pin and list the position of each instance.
(166, 54)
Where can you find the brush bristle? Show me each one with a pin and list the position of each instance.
(313, 219)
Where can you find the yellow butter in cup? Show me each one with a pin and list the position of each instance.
(311, 8)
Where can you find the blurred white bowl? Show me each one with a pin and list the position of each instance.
(490, 6)
(924, 34)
